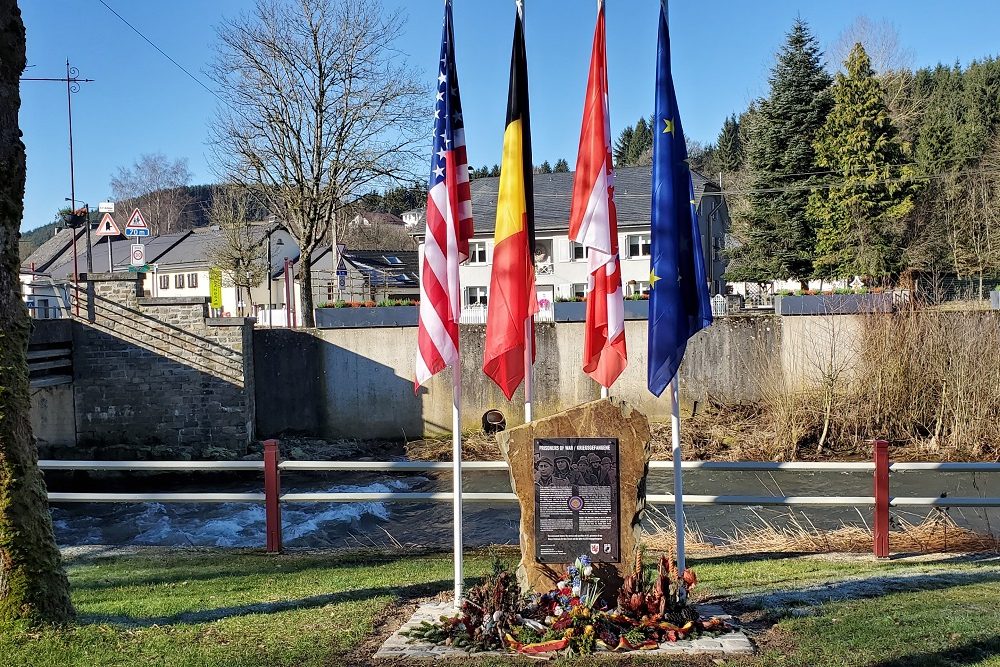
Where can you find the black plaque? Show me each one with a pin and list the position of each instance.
(576, 499)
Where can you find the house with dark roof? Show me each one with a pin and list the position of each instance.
(179, 265)
(560, 264)
(364, 275)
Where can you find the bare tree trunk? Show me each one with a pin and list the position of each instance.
(305, 268)
(33, 585)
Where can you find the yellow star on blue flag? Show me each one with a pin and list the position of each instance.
(678, 307)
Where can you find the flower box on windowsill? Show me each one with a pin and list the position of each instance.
(576, 311)
(377, 316)
(833, 304)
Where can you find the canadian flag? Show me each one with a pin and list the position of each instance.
(594, 224)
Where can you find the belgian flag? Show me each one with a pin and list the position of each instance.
(512, 298)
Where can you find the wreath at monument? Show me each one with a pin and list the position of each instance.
(576, 617)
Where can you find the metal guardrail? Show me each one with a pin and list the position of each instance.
(273, 498)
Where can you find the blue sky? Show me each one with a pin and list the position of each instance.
(141, 103)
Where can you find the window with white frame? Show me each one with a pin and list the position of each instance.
(475, 296)
(477, 252)
(579, 251)
(638, 245)
(178, 281)
(164, 282)
(638, 287)
(192, 280)
(579, 290)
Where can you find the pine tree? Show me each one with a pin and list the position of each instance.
(641, 142)
(858, 219)
(622, 146)
(778, 240)
(544, 168)
(494, 170)
(562, 167)
(728, 151)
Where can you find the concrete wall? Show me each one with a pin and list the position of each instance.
(52, 417)
(358, 383)
(159, 372)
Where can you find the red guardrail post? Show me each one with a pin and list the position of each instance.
(880, 545)
(272, 493)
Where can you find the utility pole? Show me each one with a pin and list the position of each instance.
(72, 81)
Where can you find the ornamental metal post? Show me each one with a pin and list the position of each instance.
(73, 81)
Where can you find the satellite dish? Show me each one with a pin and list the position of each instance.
(541, 252)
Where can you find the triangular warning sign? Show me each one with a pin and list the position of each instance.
(136, 225)
(136, 221)
(108, 226)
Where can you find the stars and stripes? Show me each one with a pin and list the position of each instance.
(449, 222)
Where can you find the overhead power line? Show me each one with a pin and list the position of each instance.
(828, 185)
(161, 51)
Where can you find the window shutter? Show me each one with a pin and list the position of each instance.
(564, 291)
(489, 252)
(563, 249)
(623, 247)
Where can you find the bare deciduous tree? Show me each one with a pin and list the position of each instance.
(240, 249)
(359, 230)
(891, 62)
(33, 585)
(317, 110)
(153, 183)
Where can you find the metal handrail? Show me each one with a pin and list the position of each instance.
(188, 466)
(62, 497)
(504, 497)
(427, 466)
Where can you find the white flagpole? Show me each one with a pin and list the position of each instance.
(604, 391)
(529, 389)
(675, 427)
(456, 473)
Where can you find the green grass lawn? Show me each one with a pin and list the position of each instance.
(232, 608)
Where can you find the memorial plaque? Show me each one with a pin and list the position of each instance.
(576, 499)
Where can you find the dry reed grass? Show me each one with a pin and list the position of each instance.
(476, 446)
(937, 533)
(929, 382)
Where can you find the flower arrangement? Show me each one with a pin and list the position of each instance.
(574, 618)
(371, 304)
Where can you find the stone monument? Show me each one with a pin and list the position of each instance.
(580, 479)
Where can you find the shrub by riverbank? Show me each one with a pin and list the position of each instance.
(236, 608)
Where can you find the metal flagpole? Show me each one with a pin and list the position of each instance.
(675, 428)
(111, 264)
(456, 473)
(529, 327)
(529, 390)
(604, 391)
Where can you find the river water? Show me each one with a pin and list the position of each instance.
(429, 524)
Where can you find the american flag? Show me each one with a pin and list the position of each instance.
(449, 222)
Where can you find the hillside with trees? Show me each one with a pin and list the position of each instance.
(877, 169)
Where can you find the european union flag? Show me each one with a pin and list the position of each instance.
(679, 304)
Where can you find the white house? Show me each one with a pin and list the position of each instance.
(560, 264)
(413, 218)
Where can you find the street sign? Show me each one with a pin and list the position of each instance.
(215, 287)
(106, 207)
(108, 226)
(341, 272)
(136, 225)
(138, 255)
